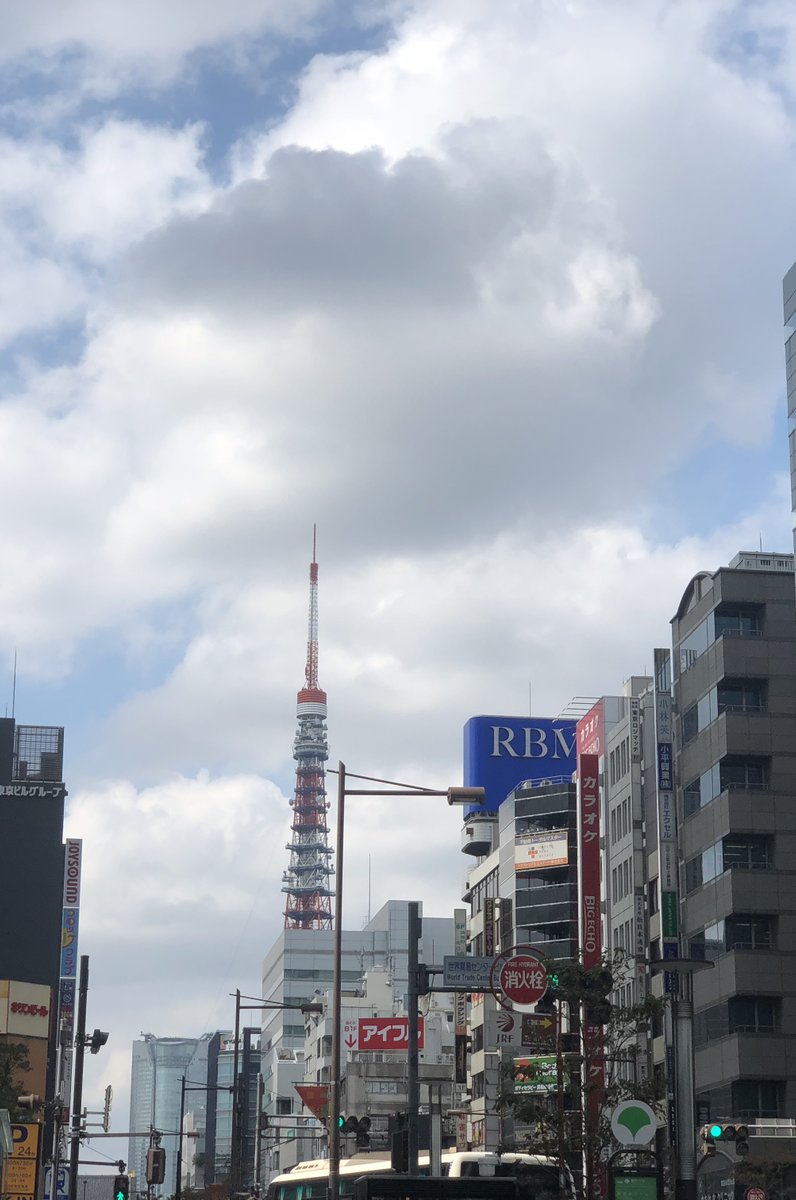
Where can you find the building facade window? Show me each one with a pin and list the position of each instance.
(727, 620)
(738, 932)
(745, 774)
(751, 932)
(732, 773)
(734, 852)
(729, 696)
(740, 1014)
(753, 1014)
(757, 1098)
(747, 852)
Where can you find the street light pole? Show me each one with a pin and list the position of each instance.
(77, 1094)
(234, 1164)
(337, 992)
(455, 795)
(414, 928)
(178, 1181)
(683, 1038)
(238, 1124)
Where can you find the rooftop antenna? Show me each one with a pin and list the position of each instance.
(14, 689)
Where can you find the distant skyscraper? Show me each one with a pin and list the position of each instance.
(306, 881)
(159, 1065)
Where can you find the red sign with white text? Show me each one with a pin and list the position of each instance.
(386, 1033)
(591, 944)
(590, 732)
(522, 979)
(589, 844)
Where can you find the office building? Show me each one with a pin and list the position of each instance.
(298, 970)
(375, 1081)
(159, 1065)
(32, 893)
(523, 891)
(734, 685)
(789, 302)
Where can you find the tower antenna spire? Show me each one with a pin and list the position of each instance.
(306, 881)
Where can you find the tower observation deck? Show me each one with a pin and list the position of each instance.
(306, 881)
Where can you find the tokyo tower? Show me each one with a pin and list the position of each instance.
(306, 881)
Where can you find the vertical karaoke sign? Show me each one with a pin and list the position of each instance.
(73, 861)
(591, 942)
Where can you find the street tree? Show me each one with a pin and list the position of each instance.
(558, 1121)
(14, 1065)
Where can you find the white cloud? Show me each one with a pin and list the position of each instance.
(111, 47)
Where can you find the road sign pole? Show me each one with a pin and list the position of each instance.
(562, 1162)
(412, 1056)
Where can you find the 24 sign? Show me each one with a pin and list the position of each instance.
(387, 1033)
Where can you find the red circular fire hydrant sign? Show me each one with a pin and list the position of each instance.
(519, 980)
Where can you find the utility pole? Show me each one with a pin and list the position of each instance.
(415, 927)
(234, 1164)
(77, 1096)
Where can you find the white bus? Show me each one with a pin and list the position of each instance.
(539, 1176)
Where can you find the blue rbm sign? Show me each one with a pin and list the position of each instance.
(502, 752)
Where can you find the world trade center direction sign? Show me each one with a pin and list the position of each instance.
(466, 972)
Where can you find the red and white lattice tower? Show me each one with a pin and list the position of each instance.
(306, 881)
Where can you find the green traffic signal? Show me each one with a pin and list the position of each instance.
(716, 1131)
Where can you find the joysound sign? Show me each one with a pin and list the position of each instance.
(518, 979)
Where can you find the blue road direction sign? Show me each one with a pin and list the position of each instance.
(62, 1191)
(466, 973)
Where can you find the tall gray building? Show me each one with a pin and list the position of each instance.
(298, 968)
(734, 690)
(159, 1065)
(789, 299)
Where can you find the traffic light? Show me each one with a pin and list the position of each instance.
(97, 1040)
(121, 1188)
(155, 1165)
(360, 1126)
(399, 1148)
(708, 1141)
(737, 1134)
(547, 1004)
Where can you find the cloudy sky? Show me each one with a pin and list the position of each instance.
(490, 291)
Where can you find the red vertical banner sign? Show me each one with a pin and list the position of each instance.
(591, 956)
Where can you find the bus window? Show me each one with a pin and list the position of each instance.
(534, 1182)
